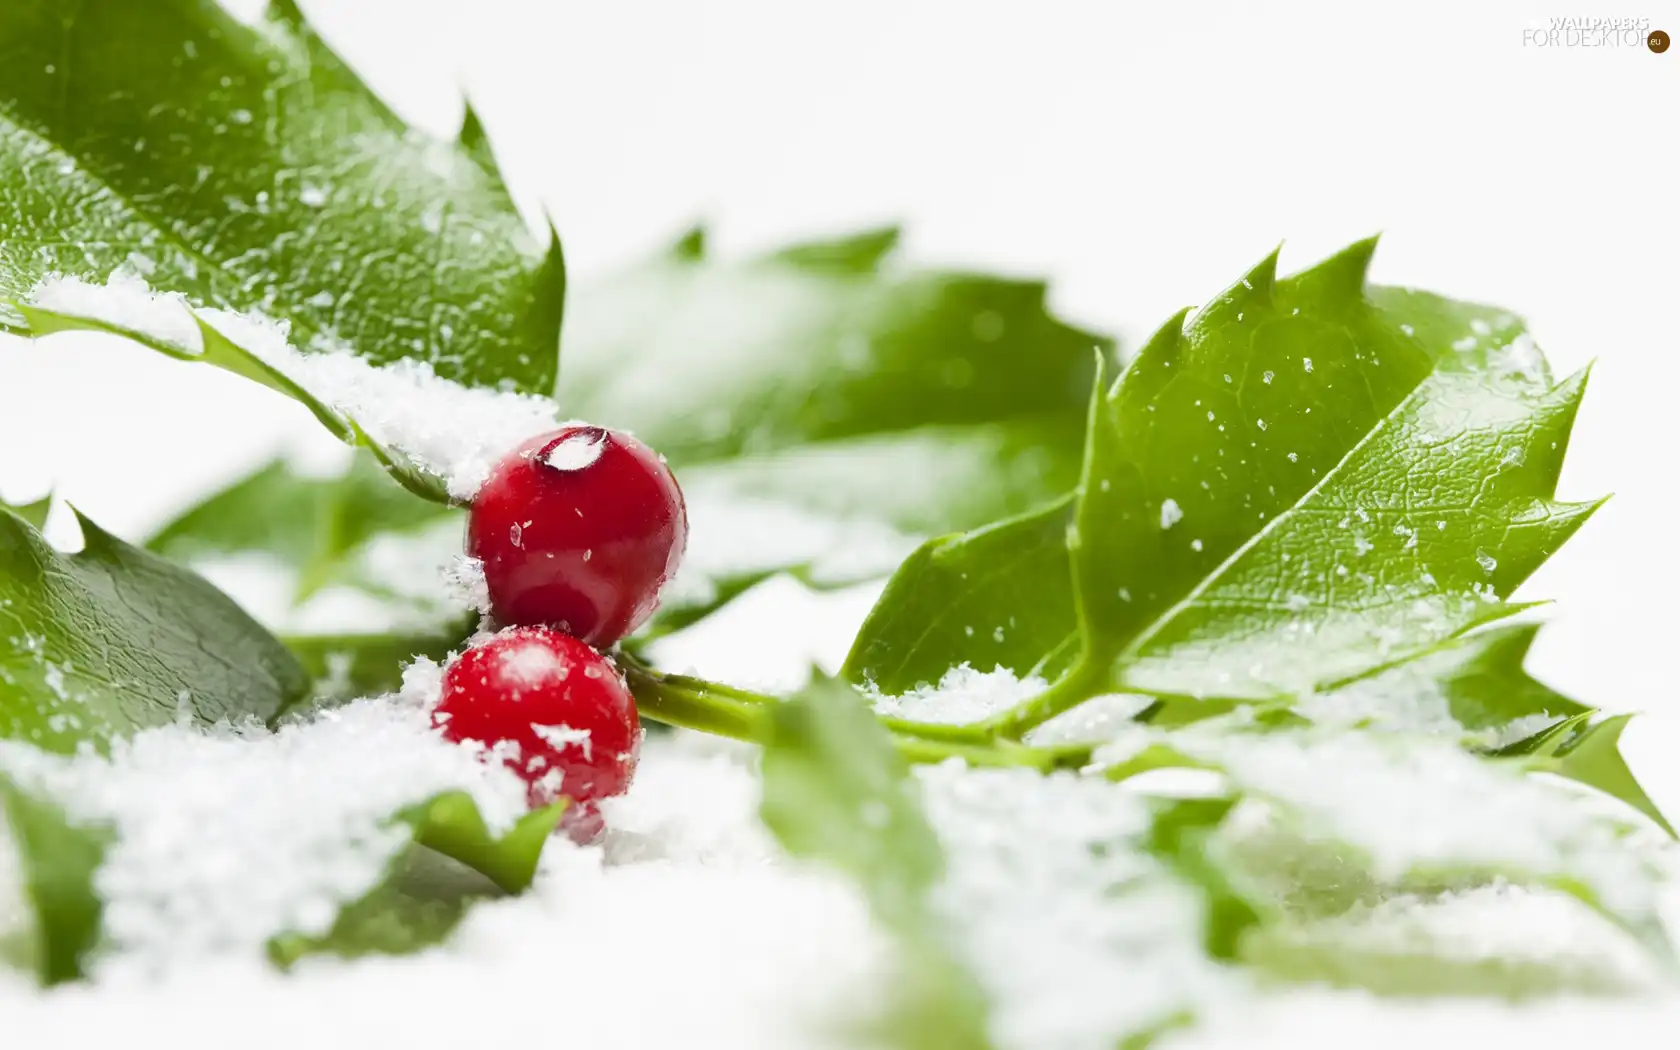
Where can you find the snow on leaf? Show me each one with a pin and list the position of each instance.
(1398, 813)
(225, 837)
(247, 168)
(437, 437)
(112, 639)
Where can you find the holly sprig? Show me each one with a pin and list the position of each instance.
(1296, 510)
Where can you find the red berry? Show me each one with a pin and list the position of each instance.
(578, 529)
(552, 709)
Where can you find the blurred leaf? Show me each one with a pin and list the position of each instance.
(346, 666)
(423, 896)
(1590, 755)
(1183, 834)
(452, 825)
(826, 376)
(313, 525)
(57, 862)
(836, 792)
(248, 168)
(112, 639)
(1353, 818)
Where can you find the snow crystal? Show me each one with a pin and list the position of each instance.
(1170, 513)
(466, 584)
(1079, 944)
(963, 695)
(228, 836)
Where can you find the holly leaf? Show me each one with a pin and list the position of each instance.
(1590, 755)
(112, 639)
(424, 896)
(246, 167)
(1307, 482)
(999, 596)
(57, 861)
(451, 824)
(34, 513)
(836, 791)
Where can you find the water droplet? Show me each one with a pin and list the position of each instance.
(577, 450)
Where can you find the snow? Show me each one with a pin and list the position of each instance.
(454, 432)
(963, 695)
(1170, 513)
(226, 837)
(126, 302)
(1080, 938)
(686, 900)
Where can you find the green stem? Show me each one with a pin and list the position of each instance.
(1081, 683)
(691, 703)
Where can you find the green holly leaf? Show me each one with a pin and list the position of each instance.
(34, 513)
(829, 377)
(112, 639)
(246, 167)
(424, 896)
(999, 596)
(452, 825)
(57, 861)
(836, 791)
(1306, 482)
(1375, 477)
(1590, 755)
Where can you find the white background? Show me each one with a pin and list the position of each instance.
(1140, 157)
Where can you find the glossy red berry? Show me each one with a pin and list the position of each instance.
(554, 711)
(578, 529)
